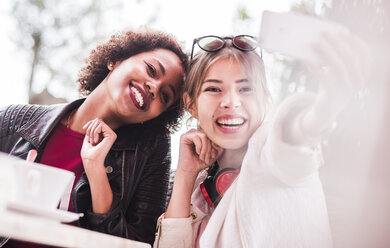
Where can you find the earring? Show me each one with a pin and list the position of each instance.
(110, 66)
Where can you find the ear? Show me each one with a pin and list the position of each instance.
(187, 101)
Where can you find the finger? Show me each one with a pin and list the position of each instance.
(92, 129)
(209, 153)
(208, 157)
(335, 78)
(197, 143)
(106, 130)
(347, 57)
(97, 132)
(88, 131)
(108, 133)
(204, 148)
(32, 154)
(86, 125)
(209, 150)
(362, 59)
(330, 52)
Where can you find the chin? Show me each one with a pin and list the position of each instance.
(232, 144)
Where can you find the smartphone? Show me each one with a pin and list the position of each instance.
(293, 34)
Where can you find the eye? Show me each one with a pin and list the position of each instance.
(212, 89)
(151, 70)
(165, 97)
(247, 89)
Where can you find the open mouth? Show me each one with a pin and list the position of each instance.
(138, 96)
(230, 123)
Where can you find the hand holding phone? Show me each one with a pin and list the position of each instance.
(337, 58)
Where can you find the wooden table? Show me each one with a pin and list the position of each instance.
(50, 232)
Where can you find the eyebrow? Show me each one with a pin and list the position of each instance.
(162, 68)
(244, 80)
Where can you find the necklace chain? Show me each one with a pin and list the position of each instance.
(69, 118)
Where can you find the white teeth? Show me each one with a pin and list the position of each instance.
(231, 122)
(138, 96)
(230, 127)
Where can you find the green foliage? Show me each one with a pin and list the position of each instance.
(242, 13)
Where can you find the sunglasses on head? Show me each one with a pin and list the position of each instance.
(212, 43)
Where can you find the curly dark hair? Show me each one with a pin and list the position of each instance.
(122, 46)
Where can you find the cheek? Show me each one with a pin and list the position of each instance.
(156, 108)
(205, 119)
(207, 102)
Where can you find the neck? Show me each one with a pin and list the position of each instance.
(94, 106)
(232, 158)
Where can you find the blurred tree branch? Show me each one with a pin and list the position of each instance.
(55, 34)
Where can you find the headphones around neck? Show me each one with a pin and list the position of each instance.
(216, 183)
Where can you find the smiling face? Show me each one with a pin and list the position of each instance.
(228, 107)
(144, 85)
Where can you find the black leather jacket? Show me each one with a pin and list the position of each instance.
(139, 159)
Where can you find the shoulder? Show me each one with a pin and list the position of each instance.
(26, 110)
(14, 116)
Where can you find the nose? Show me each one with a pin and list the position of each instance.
(231, 100)
(153, 87)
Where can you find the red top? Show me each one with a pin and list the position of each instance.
(62, 151)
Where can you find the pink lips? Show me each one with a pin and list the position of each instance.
(138, 96)
(230, 124)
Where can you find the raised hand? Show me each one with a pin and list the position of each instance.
(97, 142)
(341, 65)
(197, 151)
(345, 60)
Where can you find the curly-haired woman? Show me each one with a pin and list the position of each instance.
(116, 140)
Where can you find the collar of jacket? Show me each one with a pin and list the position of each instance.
(46, 119)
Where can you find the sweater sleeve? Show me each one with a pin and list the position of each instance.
(173, 233)
(293, 164)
